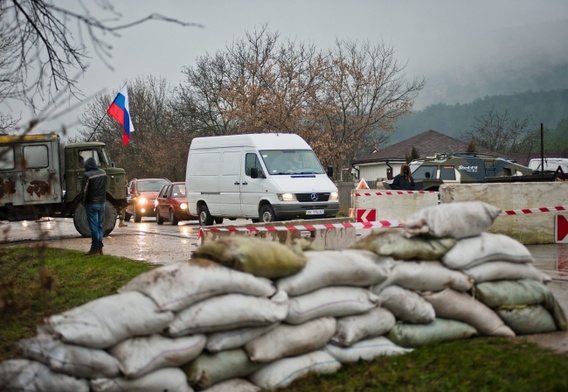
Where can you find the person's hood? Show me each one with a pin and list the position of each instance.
(90, 164)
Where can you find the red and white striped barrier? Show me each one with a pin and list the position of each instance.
(534, 210)
(390, 193)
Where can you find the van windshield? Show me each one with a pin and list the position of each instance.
(282, 162)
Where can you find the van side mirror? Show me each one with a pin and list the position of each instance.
(329, 171)
(254, 172)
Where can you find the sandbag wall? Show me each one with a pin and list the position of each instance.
(246, 314)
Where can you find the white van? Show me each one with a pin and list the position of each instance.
(264, 177)
(550, 164)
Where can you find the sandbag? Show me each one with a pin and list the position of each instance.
(440, 330)
(454, 305)
(22, 375)
(235, 338)
(425, 276)
(469, 252)
(350, 329)
(210, 369)
(233, 385)
(142, 355)
(455, 220)
(227, 312)
(291, 340)
(393, 243)
(70, 359)
(106, 321)
(176, 286)
(406, 305)
(167, 379)
(526, 320)
(337, 268)
(366, 350)
(505, 270)
(283, 372)
(335, 301)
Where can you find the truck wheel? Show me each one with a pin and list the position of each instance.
(267, 213)
(173, 219)
(159, 219)
(205, 218)
(82, 223)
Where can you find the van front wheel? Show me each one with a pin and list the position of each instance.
(267, 213)
(205, 218)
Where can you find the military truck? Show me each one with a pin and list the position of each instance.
(39, 177)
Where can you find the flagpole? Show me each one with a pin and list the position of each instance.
(97, 127)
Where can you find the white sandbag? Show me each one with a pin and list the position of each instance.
(506, 270)
(167, 379)
(291, 340)
(227, 312)
(176, 286)
(406, 305)
(330, 301)
(456, 220)
(528, 319)
(70, 359)
(469, 252)
(227, 340)
(233, 385)
(365, 350)
(106, 321)
(426, 276)
(22, 375)
(440, 330)
(283, 372)
(336, 268)
(142, 355)
(210, 369)
(350, 329)
(454, 305)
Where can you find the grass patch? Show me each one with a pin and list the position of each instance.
(38, 282)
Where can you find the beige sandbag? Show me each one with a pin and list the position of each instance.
(336, 301)
(337, 268)
(440, 330)
(425, 276)
(392, 242)
(406, 305)
(456, 220)
(22, 375)
(291, 340)
(469, 252)
(366, 350)
(70, 359)
(142, 355)
(106, 321)
(235, 338)
(527, 320)
(454, 305)
(175, 286)
(210, 369)
(506, 270)
(227, 312)
(233, 385)
(167, 379)
(283, 372)
(350, 329)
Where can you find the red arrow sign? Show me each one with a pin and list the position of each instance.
(366, 215)
(561, 228)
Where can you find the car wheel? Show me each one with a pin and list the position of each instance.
(137, 217)
(127, 216)
(205, 218)
(218, 220)
(173, 219)
(159, 219)
(267, 213)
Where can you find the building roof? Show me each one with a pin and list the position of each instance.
(426, 144)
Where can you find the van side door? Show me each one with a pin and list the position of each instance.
(230, 183)
(252, 189)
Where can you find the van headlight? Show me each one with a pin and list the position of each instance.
(287, 196)
(333, 196)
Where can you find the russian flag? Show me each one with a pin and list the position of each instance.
(119, 110)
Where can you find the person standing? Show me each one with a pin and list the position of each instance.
(403, 180)
(93, 186)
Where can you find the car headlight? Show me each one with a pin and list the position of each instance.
(333, 196)
(287, 196)
(183, 206)
(142, 200)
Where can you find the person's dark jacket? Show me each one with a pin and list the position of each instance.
(93, 183)
(402, 182)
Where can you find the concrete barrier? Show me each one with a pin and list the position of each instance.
(285, 232)
(390, 204)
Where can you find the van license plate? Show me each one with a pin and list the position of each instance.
(314, 212)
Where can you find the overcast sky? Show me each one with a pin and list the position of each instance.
(434, 37)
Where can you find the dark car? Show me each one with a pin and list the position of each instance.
(171, 204)
(142, 193)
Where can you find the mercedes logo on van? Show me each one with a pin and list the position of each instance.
(314, 196)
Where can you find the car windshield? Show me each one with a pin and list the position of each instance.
(281, 162)
(151, 186)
